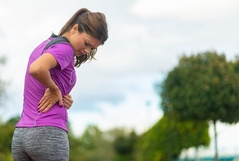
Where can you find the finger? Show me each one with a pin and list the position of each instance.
(69, 99)
(42, 105)
(41, 100)
(67, 106)
(42, 108)
(47, 108)
(60, 102)
(66, 100)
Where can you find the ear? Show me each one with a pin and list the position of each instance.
(75, 27)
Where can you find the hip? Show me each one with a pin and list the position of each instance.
(45, 141)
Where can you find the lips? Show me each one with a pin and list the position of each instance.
(78, 53)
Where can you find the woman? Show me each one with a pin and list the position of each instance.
(41, 133)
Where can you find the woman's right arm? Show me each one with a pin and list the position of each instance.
(39, 69)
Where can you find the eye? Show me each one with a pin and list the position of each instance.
(87, 43)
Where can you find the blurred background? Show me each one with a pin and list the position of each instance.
(115, 95)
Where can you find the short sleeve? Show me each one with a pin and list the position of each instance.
(63, 53)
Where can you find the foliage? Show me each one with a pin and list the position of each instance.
(95, 145)
(74, 143)
(165, 140)
(124, 147)
(6, 134)
(202, 87)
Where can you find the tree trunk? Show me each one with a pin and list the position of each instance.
(196, 154)
(215, 139)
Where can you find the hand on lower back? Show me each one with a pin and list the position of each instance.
(49, 99)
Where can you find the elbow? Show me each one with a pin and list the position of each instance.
(34, 70)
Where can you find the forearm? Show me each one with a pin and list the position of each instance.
(44, 78)
(40, 70)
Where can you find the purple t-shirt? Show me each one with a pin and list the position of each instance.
(63, 75)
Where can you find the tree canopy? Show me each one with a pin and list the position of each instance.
(203, 87)
(168, 137)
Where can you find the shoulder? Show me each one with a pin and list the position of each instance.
(61, 48)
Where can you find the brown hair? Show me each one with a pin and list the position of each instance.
(92, 23)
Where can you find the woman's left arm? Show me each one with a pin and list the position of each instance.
(68, 101)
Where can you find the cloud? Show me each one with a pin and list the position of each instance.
(133, 113)
(185, 9)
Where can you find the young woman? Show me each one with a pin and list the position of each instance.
(41, 133)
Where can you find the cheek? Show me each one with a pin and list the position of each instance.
(77, 45)
(74, 45)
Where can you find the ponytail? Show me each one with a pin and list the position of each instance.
(72, 21)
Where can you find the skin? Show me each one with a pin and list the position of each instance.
(68, 101)
(82, 43)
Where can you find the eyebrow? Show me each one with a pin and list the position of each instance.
(88, 41)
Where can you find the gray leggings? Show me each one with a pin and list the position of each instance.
(40, 144)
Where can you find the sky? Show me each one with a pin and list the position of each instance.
(146, 39)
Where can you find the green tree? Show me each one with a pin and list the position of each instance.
(96, 145)
(6, 134)
(202, 87)
(6, 128)
(165, 140)
(75, 146)
(124, 146)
